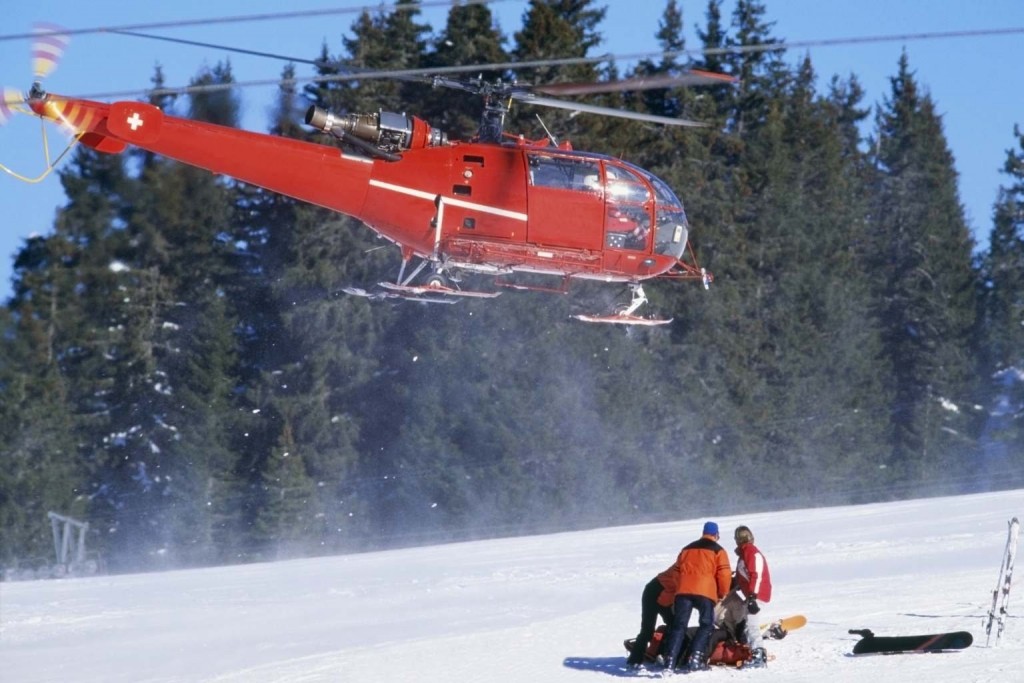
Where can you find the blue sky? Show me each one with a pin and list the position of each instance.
(976, 82)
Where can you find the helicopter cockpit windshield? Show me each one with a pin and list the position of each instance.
(635, 200)
(671, 227)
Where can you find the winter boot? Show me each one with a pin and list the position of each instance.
(636, 656)
(698, 661)
(758, 659)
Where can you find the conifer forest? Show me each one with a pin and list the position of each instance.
(180, 368)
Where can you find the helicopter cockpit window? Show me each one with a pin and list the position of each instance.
(565, 173)
(671, 232)
(623, 186)
(628, 220)
(671, 227)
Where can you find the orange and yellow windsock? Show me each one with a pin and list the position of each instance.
(47, 48)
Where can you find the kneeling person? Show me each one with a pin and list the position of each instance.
(753, 585)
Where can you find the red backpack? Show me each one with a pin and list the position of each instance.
(724, 651)
(730, 653)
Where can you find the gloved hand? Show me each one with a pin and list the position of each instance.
(752, 606)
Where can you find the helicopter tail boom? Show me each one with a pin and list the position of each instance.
(314, 173)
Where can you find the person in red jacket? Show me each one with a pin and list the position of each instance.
(704, 579)
(753, 586)
(657, 598)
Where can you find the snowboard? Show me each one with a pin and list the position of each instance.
(777, 630)
(937, 642)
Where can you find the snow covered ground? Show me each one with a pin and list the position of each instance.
(534, 609)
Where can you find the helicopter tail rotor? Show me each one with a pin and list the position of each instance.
(12, 101)
(48, 47)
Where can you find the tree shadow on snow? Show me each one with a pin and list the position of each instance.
(613, 666)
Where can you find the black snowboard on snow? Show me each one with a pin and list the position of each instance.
(937, 642)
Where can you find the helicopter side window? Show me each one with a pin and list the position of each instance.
(671, 232)
(565, 173)
(628, 220)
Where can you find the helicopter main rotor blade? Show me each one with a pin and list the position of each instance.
(530, 98)
(684, 80)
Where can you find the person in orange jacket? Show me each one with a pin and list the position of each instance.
(657, 599)
(753, 585)
(704, 578)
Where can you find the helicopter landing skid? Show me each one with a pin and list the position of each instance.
(626, 315)
(623, 319)
(378, 296)
(416, 291)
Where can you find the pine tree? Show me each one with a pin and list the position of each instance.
(156, 456)
(39, 470)
(469, 37)
(382, 40)
(713, 38)
(926, 284)
(70, 282)
(761, 73)
(286, 519)
(1002, 329)
(558, 29)
(1004, 268)
(553, 30)
(671, 41)
(816, 318)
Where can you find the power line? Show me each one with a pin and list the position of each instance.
(215, 46)
(514, 66)
(244, 18)
(134, 30)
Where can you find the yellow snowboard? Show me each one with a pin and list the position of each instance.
(777, 630)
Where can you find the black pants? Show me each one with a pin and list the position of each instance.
(649, 612)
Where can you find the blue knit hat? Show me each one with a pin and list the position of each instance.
(710, 529)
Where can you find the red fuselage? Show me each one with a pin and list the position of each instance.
(480, 206)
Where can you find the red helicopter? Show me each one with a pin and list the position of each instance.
(497, 204)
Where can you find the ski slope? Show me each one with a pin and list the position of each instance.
(534, 609)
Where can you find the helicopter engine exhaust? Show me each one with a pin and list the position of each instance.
(381, 135)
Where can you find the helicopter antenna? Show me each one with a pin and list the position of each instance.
(554, 140)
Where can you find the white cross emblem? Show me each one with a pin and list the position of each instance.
(135, 121)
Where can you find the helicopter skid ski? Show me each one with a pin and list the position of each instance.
(434, 294)
(623, 319)
(627, 315)
(420, 290)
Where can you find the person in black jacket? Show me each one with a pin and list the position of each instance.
(657, 598)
